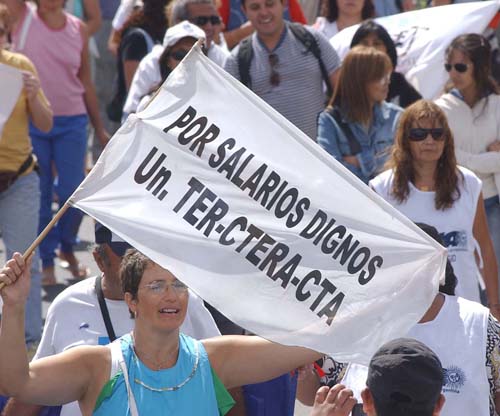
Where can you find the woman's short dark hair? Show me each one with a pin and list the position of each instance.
(401, 161)
(450, 280)
(330, 10)
(370, 27)
(132, 268)
(478, 50)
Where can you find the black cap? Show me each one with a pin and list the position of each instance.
(405, 375)
(104, 235)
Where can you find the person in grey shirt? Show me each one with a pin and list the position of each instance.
(285, 72)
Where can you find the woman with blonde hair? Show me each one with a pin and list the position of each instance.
(425, 184)
(357, 128)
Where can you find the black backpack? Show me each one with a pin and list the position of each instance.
(245, 54)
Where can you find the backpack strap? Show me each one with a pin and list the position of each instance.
(346, 129)
(311, 44)
(245, 55)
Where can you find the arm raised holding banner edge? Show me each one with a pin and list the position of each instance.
(236, 359)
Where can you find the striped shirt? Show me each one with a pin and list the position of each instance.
(300, 95)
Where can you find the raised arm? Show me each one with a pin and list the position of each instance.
(44, 381)
(240, 360)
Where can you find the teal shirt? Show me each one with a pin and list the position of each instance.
(202, 395)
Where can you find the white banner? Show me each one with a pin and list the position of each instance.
(421, 39)
(11, 83)
(213, 184)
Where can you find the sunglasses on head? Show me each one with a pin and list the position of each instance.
(179, 54)
(458, 67)
(203, 20)
(419, 134)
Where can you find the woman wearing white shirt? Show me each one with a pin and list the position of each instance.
(473, 110)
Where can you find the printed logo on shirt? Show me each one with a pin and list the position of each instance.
(455, 240)
(454, 379)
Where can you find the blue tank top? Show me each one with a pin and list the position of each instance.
(195, 397)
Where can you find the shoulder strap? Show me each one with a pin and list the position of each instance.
(311, 44)
(245, 55)
(351, 139)
(24, 28)
(116, 351)
(104, 309)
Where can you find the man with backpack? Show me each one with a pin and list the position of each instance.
(286, 64)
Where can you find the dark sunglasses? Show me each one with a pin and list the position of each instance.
(458, 67)
(203, 20)
(275, 76)
(419, 134)
(179, 54)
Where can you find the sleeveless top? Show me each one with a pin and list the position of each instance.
(458, 335)
(56, 55)
(187, 388)
(454, 224)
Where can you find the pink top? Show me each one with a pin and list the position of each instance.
(57, 58)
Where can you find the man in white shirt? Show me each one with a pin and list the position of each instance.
(201, 13)
(77, 316)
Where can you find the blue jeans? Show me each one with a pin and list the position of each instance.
(492, 206)
(64, 146)
(19, 207)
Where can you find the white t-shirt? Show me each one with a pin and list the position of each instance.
(147, 76)
(328, 29)
(74, 318)
(458, 335)
(454, 224)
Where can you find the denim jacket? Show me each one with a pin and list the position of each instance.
(375, 144)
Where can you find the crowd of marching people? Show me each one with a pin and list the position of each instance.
(88, 64)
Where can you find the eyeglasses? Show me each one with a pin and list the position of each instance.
(460, 67)
(179, 54)
(419, 134)
(275, 76)
(159, 286)
(203, 20)
(385, 80)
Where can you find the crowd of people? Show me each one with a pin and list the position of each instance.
(87, 64)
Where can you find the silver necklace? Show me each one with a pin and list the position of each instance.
(169, 388)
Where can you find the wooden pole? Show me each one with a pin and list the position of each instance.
(43, 234)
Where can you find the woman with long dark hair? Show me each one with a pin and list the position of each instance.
(425, 183)
(357, 127)
(144, 28)
(370, 33)
(473, 109)
(339, 14)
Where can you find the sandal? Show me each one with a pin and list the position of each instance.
(48, 276)
(69, 262)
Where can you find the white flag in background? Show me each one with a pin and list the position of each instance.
(421, 39)
(11, 83)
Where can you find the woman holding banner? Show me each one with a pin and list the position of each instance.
(151, 371)
(19, 183)
(425, 184)
(473, 110)
(357, 128)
